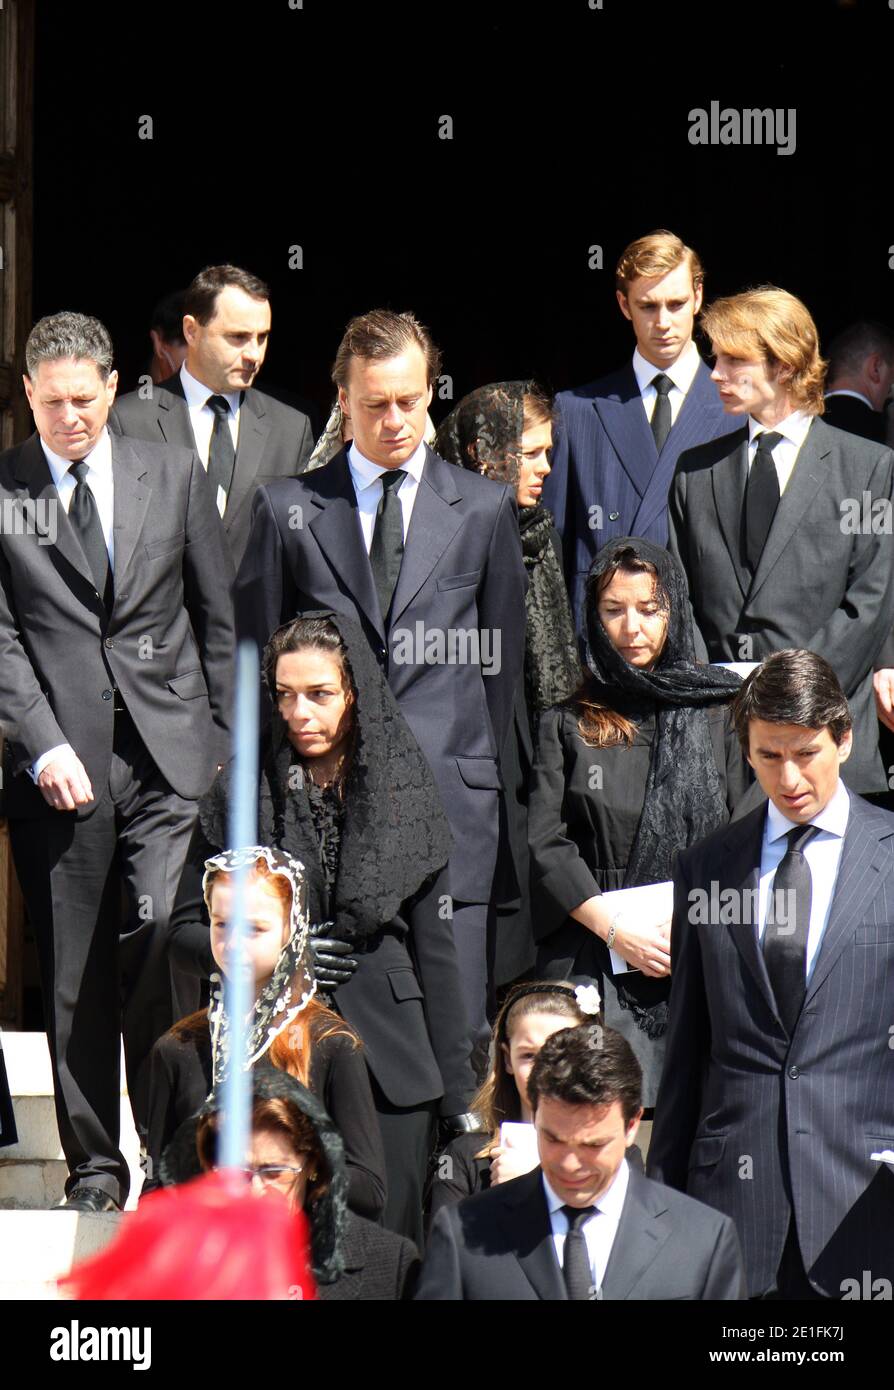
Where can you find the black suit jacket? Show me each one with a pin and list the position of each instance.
(856, 417)
(817, 585)
(498, 1245)
(275, 441)
(747, 1114)
(167, 646)
(462, 573)
(379, 1266)
(607, 478)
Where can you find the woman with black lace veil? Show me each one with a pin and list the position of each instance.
(639, 763)
(345, 789)
(505, 432)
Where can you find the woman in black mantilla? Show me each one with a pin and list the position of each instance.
(640, 763)
(505, 432)
(345, 789)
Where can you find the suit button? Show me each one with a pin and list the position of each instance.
(794, 1073)
(107, 694)
(108, 642)
(613, 516)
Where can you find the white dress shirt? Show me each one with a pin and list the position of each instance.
(785, 454)
(365, 476)
(823, 855)
(599, 1229)
(682, 374)
(100, 482)
(202, 417)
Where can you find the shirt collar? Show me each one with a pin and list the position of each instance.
(611, 1201)
(857, 395)
(197, 393)
(366, 472)
(99, 460)
(793, 428)
(833, 817)
(682, 373)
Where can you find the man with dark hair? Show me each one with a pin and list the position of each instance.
(427, 558)
(859, 377)
(618, 438)
(243, 437)
(116, 643)
(777, 1096)
(584, 1225)
(166, 333)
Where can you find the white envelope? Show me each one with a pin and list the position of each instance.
(655, 900)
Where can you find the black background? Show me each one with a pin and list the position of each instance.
(319, 127)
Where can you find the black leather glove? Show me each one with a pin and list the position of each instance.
(332, 960)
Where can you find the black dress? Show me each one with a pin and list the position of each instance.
(584, 810)
(181, 1080)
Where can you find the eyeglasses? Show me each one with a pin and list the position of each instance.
(272, 1173)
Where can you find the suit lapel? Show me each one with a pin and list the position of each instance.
(433, 525)
(527, 1225)
(173, 414)
(728, 481)
(638, 1239)
(624, 421)
(253, 432)
(808, 476)
(132, 491)
(336, 529)
(33, 471)
(864, 857)
(741, 872)
(693, 425)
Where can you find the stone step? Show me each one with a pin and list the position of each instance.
(33, 1171)
(38, 1247)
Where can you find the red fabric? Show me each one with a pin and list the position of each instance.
(212, 1238)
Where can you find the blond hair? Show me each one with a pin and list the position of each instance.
(656, 254)
(771, 324)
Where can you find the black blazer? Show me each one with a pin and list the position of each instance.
(168, 645)
(805, 1111)
(850, 414)
(604, 458)
(379, 1265)
(462, 573)
(499, 1245)
(816, 585)
(275, 441)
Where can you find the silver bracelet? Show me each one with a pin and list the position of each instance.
(610, 939)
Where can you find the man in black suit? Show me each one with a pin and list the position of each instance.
(116, 641)
(778, 1082)
(618, 439)
(584, 1225)
(243, 437)
(784, 528)
(858, 380)
(427, 558)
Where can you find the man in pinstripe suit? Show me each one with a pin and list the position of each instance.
(778, 1083)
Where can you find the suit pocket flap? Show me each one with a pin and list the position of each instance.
(154, 549)
(459, 581)
(479, 772)
(707, 1151)
(404, 984)
(875, 931)
(188, 686)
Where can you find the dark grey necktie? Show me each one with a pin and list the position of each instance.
(661, 415)
(761, 497)
(84, 517)
(576, 1258)
(222, 456)
(788, 922)
(387, 549)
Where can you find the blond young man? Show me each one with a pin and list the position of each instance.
(618, 439)
(784, 527)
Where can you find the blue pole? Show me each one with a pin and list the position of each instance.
(243, 831)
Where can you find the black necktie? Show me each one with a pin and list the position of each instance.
(788, 922)
(761, 497)
(84, 517)
(661, 415)
(222, 458)
(576, 1258)
(386, 551)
